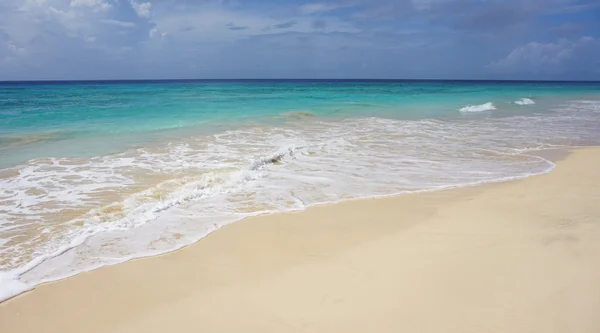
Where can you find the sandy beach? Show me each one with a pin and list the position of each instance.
(518, 256)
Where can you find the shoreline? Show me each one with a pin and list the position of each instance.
(87, 213)
(551, 155)
(249, 265)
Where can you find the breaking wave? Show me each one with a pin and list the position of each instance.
(478, 108)
(524, 101)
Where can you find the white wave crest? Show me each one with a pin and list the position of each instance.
(489, 106)
(524, 101)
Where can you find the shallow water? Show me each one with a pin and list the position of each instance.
(96, 174)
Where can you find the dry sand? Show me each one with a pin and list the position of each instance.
(521, 256)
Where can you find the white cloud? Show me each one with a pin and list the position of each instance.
(38, 34)
(211, 24)
(538, 57)
(58, 35)
(19, 51)
(123, 24)
(98, 5)
(32, 19)
(154, 32)
(143, 9)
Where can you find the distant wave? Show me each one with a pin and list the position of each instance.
(524, 101)
(478, 108)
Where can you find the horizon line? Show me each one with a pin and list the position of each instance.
(283, 79)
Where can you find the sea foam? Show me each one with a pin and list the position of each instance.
(478, 108)
(524, 101)
(10, 286)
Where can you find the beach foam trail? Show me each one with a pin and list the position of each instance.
(524, 101)
(10, 286)
(478, 108)
(62, 216)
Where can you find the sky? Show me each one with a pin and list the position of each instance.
(376, 39)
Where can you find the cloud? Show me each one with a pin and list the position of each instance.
(66, 38)
(154, 32)
(571, 7)
(319, 24)
(234, 27)
(473, 16)
(427, 4)
(384, 9)
(285, 25)
(560, 56)
(26, 22)
(222, 25)
(71, 39)
(123, 24)
(19, 51)
(322, 7)
(99, 5)
(493, 16)
(142, 9)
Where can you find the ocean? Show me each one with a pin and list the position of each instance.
(98, 173)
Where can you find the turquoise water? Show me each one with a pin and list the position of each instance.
(96, 173)
(98, 118)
